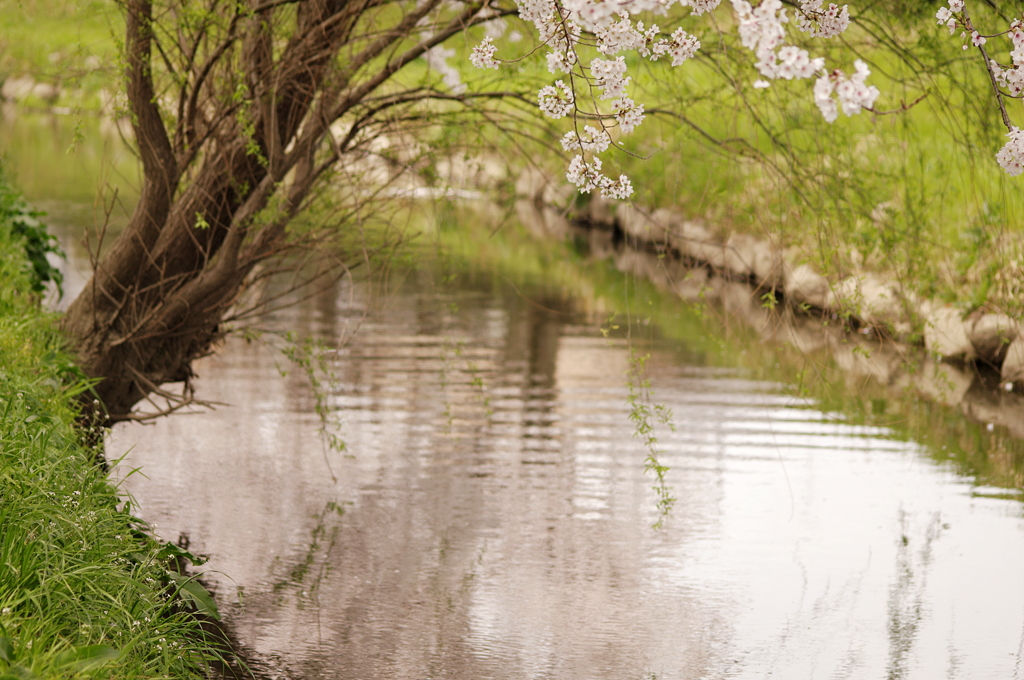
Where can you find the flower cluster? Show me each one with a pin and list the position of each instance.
(853, 93)
(610, 76)
(822, 23)
(700, 6)
(947, 15)
(1012, 78)
(556, 101)
(588, 176)
(621, 36)
(1008, 77)
(681, 46)
(483, 54)
(590, 140)
(628, 114)
(610, 27)
(1011, 156)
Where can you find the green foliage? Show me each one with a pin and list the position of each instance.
(85, 590)
(22, 222)
(645, 415)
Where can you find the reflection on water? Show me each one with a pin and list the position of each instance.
(491, 517)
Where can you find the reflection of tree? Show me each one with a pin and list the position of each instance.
(535, 328)
(906, 594)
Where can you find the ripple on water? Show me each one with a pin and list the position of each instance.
(491, 516)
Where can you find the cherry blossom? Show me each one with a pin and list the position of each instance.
(853, 93)
(557, 101)
(822, 23)
(483, 54)
(591, 140)
(566, 27)
(610, 76)
(681, 46)
(628, 114)
(1011, 156)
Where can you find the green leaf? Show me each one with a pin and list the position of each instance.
(6, 649)
(193, 591)
(168, 550)
(86, 658)
(18, 672)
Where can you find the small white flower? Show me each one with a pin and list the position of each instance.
(556, 101)
(483, 54)
(619, 189)
(1011, 156)
(610, 76)
(628, 114)
(586, 176)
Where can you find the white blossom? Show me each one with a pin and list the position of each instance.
(853, 93)
(794, 62)
(586, 176)
(610, 76)
(701, 6)
(823, 89)
(591, 140)
(1011, 156)
(822, 23)
(628, 114)
(556, 101)
(619, 189)
(681, 46)
(561, 61)
(618, 37)
(483, 54)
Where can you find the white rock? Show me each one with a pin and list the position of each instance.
(991, 335)
(652, 227)
(17, 88)
(46, 92)
(1013, 365)
(804, 285)
(945, 334)
(941, 382)
(871, 299)
(693, 284)
(740, 250)
(696, 241)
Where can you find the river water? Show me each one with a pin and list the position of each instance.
(490, 516)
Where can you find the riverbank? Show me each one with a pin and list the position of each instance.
(865, 327)
(85, 590)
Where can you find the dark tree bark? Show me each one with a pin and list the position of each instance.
(232, 108)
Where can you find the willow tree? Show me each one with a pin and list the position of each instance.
(243, 109)
(240, 112)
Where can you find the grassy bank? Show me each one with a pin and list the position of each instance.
(84, 590)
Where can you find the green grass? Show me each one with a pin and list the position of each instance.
(85, 591)
(70, 43)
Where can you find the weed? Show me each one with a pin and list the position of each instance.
(646, 415)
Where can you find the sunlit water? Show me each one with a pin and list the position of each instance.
(491, 517)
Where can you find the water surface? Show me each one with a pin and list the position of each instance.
(491, 517)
